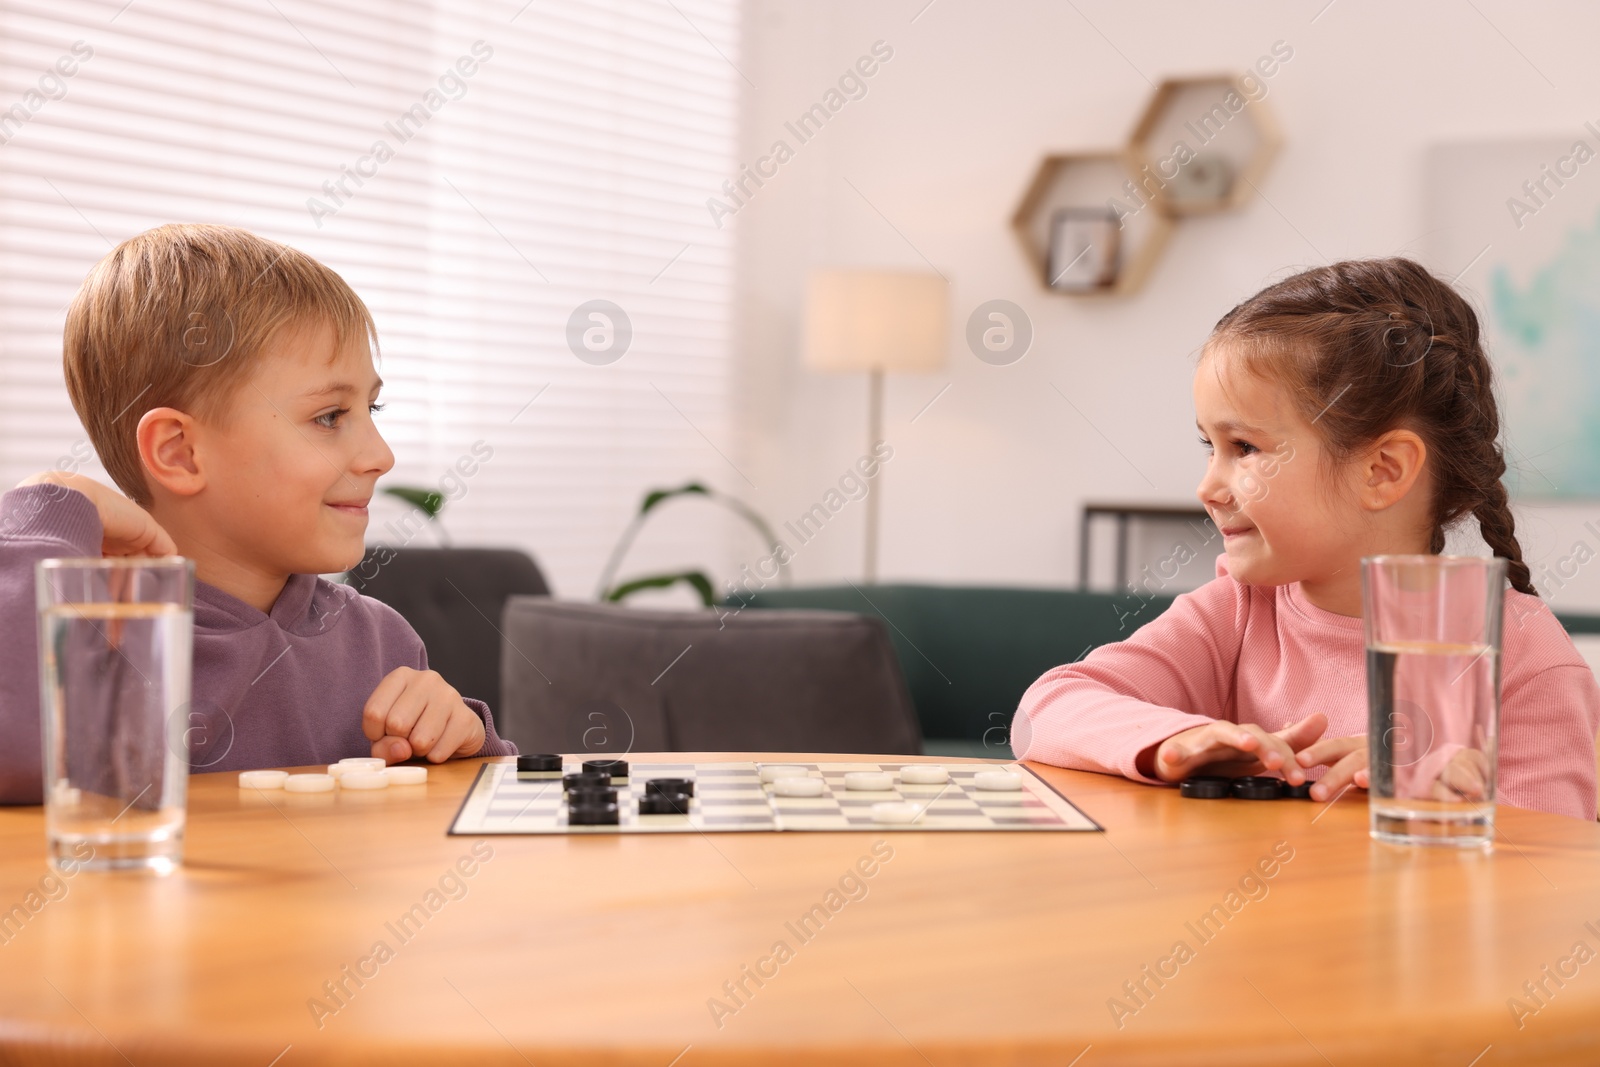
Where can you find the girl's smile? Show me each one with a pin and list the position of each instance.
(1287, 510)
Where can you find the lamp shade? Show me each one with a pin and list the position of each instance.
(863, 320)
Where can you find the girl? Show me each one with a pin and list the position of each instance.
(1347, 412)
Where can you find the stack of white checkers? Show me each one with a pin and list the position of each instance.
(739, 796)
(357, 773)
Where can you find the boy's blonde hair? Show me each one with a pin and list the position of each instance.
(179, 317)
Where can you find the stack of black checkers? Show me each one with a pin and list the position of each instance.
(666, 796)
(1254, 787)
(586, 780)
(592, 806)
(591, 798)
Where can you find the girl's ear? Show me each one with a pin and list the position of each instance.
(1391, 468)
(169, 448)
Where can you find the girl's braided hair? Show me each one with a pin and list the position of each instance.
(1365, 346)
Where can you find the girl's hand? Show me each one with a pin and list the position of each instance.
(1347, 764)
(1465, 777)
(126, 528)
(1235, 749)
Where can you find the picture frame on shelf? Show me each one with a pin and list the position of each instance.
(1085, 250)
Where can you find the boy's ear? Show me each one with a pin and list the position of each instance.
(1391, 468)
(169, 448)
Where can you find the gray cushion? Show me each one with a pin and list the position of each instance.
(608, 679)
(453, 598)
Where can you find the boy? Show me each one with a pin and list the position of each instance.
(227, 384)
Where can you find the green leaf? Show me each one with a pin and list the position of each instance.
(656, 496)
(429, 502)
(701, 583)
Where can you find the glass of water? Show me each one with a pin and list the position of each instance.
(115, 648)
(1433, 696)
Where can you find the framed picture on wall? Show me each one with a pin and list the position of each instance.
(1526, 250)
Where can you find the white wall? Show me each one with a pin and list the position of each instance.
(986, 485)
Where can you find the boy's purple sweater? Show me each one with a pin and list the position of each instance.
(282, 689)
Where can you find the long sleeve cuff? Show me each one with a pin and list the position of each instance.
(493, 743)
(1089, 729)
(48, 512)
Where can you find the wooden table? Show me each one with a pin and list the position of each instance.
(958, 949)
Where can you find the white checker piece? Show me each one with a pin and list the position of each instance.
(730, 797)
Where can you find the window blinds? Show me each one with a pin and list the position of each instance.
(475, 170)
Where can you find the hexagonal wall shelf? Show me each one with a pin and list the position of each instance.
(1202, 144)
(1078, 186)
(1096, 221)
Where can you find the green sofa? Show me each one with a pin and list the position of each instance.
(969, 652)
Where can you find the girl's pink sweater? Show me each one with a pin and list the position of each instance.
(1265, 655)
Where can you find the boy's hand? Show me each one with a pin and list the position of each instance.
(418, 713)
(128, 529)
(1346, 758)
(1235, 749)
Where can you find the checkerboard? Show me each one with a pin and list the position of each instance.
(730, 797)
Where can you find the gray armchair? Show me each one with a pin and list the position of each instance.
(453, 598)
(608, 679)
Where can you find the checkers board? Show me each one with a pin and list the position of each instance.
(730, 797)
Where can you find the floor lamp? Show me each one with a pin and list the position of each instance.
(875, 321)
